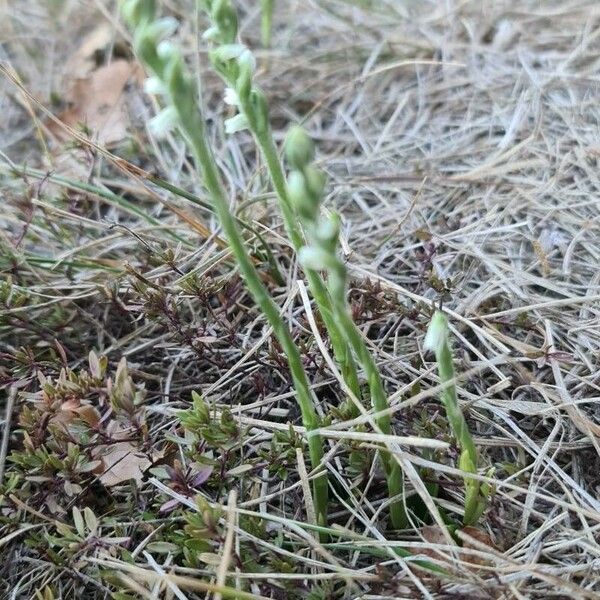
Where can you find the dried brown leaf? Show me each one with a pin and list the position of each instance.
(122, 462)
(88, 414)
(98, 102)
(83, 61)
(479, 537)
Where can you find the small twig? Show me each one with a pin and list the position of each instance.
(12, 394)
(311, 516)
(228, 545)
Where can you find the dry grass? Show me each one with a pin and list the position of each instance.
(461, 139)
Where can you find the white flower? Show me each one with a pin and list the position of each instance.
(231, 97)
(247, 58)
(229, 51)
(153, 85)
(166, 50)
(437, 333)
(328, 229)
(211, 34)
(163, 28)
(314, 258)
(235, 124)
(163, 122)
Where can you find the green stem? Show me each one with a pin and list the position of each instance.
(316, 286)
(266, 23)
(474, 503)
(448, 396)
(393, 473)
(184, 107)
(193, 130)
(253, 107)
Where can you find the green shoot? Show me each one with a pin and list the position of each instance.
(306, 186)
(437, 341)
(266, 22)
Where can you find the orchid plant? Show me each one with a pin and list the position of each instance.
(174, 84)
(235, 63)
(306, 187)
(437, 341)
(314, 236)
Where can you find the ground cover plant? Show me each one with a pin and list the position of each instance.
(299, 300)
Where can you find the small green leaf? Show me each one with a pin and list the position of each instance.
(90, 520)
(163, 548)
(78, 520)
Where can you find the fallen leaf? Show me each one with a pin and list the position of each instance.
(83, 61)
(98, 102)
(121, 462)
(432, 534)
(473, 540)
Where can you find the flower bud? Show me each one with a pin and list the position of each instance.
(163, 122)
(154, 86)
(328, 231)
(181, 89)
(211, 34)
(225, 17)
(235, 124)
(166, 50)
(228, 52)
(299, 148)
(246, 66)
(314, 258)
(315, 181)
(224, 61)
(301, 198)
(437, 332)
(162, 28)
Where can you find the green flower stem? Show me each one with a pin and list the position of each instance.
(266, 22)
(317, 288)
(437, 340)
(195, 135)
(393, 472)
(180, 92)
(235, 65)
(306, 185)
